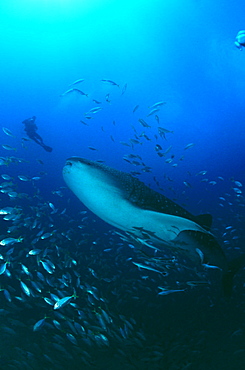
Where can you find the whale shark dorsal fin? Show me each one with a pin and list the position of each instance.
(205, 220)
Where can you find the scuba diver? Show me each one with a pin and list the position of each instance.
(31, 130)
(240, 39)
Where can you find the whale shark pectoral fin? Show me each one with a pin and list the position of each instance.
(201, 247)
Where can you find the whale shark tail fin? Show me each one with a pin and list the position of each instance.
(233, 267)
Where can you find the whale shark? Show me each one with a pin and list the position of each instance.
(128, 204)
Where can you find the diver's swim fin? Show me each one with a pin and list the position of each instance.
(47, 148)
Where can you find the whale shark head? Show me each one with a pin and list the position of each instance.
(100, 188)
(128, 204)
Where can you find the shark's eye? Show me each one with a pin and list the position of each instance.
(69, 163)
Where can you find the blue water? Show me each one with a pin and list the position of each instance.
(178, 52)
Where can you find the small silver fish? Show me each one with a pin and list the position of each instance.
(46, 235)
(140, 266)
(143, 123)
(135, 108)
(124, 89)
(156, 105)
(92, 148)
(207, 266)
(94, 110)
(25, 288)
(188, 146)
(7, 131)
(197, 283)
(6, 177)
(52, 207)
(73, 90)
(39, 324)
(187, 184)
(10, 241)
(110, 82)
(77, 82)
(165, 291)
(34, 252)
(63, 302)
(162, 131)
(47, 267)
(3, 268)
(152, 111)
(238, 183)
(80, 92)
(23, 178)
(8, 147)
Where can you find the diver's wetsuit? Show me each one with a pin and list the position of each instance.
(31, 130)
